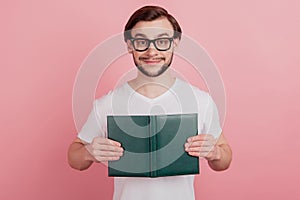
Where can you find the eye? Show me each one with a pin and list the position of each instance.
(162, 41)
(141, 42)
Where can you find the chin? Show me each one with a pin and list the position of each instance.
(154, 72)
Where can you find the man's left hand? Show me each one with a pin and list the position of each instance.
(203, 145)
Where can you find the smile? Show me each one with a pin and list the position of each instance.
(151, 60)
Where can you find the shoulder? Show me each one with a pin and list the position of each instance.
(113, 96)
(199, 93)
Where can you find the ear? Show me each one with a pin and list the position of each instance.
(129, 46)
(176, 42)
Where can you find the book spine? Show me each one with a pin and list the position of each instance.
(152, 138)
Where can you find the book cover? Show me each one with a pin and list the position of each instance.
(153, 145)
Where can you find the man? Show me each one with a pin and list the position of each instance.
(151, 35)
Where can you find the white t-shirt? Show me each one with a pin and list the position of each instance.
(181, 98)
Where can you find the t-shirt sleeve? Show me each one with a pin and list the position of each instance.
(211, 119)
(92, 127)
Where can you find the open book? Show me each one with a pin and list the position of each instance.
(153, 145)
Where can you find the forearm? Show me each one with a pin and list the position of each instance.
(225, 158)
(78, 156)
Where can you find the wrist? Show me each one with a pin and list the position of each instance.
(216, 155)
(88, 154)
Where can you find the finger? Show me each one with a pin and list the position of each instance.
(107, 153)
(200, 137)
(100, 143)
(199, 144)
(101, 140)
(109, 148)
(199, 154)
(105, 159)
(113, 142)
(208, 144)
(200, 149)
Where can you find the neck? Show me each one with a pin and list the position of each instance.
(152, 87)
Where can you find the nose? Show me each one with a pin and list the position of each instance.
(151, 50)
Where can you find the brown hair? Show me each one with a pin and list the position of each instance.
(150, 13)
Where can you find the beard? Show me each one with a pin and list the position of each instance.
(148, 73)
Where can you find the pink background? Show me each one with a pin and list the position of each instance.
(254, 43)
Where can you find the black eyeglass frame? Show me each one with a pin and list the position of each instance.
(149, 43)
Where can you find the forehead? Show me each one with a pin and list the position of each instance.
(152, 29)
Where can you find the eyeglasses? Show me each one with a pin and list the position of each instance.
(142, 44)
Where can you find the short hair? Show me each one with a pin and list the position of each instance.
(150, 13)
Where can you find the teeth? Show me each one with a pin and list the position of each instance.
(151, 59)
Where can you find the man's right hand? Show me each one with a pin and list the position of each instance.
(104, 149)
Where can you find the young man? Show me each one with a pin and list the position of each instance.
(151, 35)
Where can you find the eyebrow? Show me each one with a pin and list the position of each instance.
(140, 35)
(163, 34)
(144, 36)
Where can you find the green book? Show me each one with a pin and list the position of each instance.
(153, 145)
